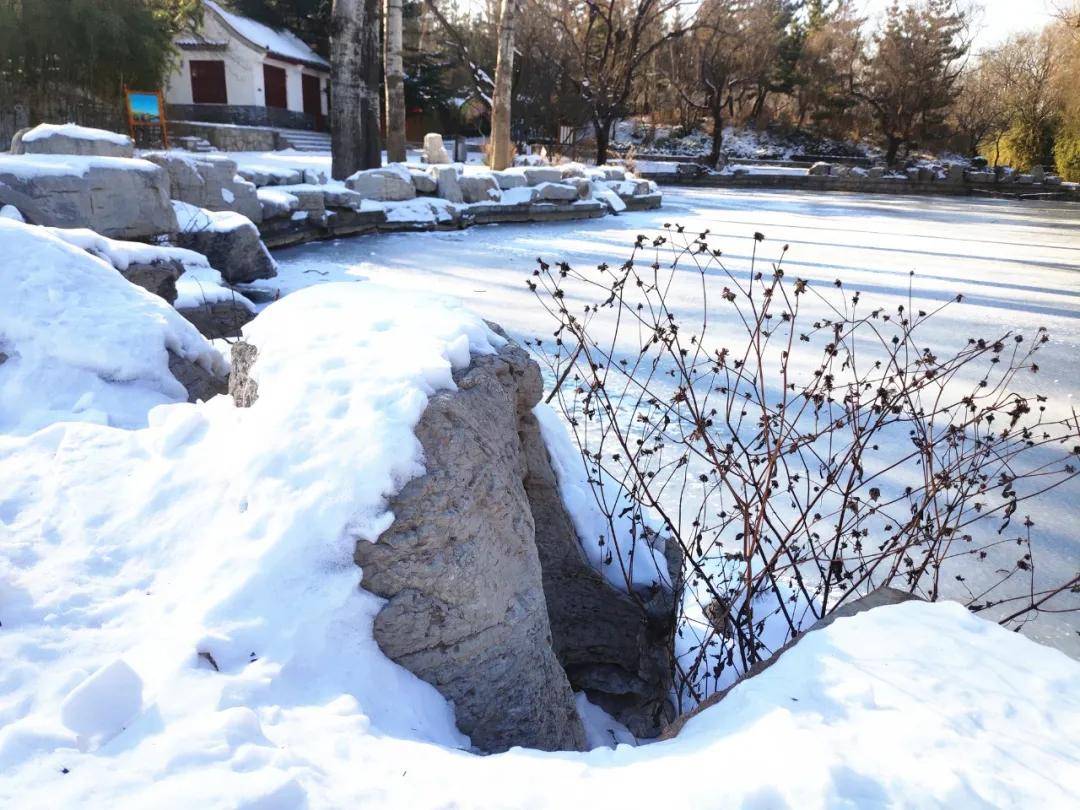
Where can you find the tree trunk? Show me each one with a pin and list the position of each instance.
(500, 101)
(894, 147)
(603, 139)
(354, 86)
(717, 131)
(395, 84)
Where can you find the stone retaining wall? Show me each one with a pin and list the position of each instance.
(866, 185)
(228, 138)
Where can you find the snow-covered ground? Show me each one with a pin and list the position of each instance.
(1016, 264)
(180, 623)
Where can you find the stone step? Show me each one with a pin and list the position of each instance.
(304, 140)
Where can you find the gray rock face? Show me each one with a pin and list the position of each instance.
(117, 197)
(820, 169)
(42, 142)
(508, 180)
(384, 185)
(447, 185)
(210, 182)
(218, 319)
(614, 647)
(459, 566)
(535, 175)
(242, 388)
(237, 253)
(423, 182)
(479, 188)
(583, 186)
(876, 172)
(556, 191)
(158, 277)
(200, 383)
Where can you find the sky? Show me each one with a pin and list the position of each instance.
(999, 18)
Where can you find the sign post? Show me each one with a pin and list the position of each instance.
(146, 110)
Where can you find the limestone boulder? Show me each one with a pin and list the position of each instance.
(228, 240)
(388, 184)
(447, 185)
(121, 198)
(218, 319)
(459, 568)
(434, 149)
(70, 139)
(479, 188)
(423, 182)
(158, 277)
(821, 169)
(509, 180)
(556, 192)
(535, 175)
(200, 383)
(209, 181)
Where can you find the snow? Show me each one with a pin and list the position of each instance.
(11, 212)
(202, 284)
(121, 254)
(27, 167)
(181, 622)
(192, 218)
(83, 343)
(77, 132)
(1013, 262)
(283, 43)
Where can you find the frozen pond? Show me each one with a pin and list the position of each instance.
(1017, 265)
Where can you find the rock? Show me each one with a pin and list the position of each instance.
(879, 598)
(876, 172)
(230, 243)
(956, 173)
(308, 198)
(820, 169)
(912, 174)
(434, 150)
(242, 387)
(390, 183)
(479, 188)
(569, 170)
(926, 174)
(218, 319)
(583, 186)
(158, 277)
(200, 383)
(210, 182)
(314, 177)
(117, 197)
(70, 139)
(276, 203)
(1038, 174)
(459, 569)
(613, 173)
(508, 180)
(622, 663)
(556, 191)
(535, 175)
(979, 162)
(423, 182)
(447, 185)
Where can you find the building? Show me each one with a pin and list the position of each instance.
(234, 70)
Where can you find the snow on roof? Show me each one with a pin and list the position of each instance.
(284, 44)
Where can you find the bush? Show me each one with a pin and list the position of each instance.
(1023, 146)
(1067, 150)
(801, 448)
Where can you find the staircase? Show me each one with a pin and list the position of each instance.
(193, 143)
(303, 140)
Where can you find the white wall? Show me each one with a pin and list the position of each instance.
(243, 72)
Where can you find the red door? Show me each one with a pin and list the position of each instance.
(312, 98)
(208, 82)
(274, 87)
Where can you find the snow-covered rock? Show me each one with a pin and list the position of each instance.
(389, 183)
(479, 188)
(434, 149)
(447, 185)
(509, 179)
(230, 242)
(208, 181)
(71, 139)
(537, 175)
(557, 192)
(84, 344)
(117, 197)
(423, 181)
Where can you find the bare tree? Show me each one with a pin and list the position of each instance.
(395, 83)
(980, 113)
(607, 45)
(504, 72)
(354, 86)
